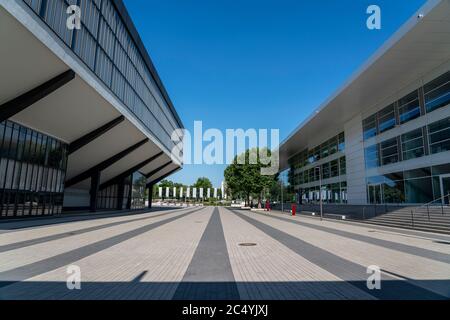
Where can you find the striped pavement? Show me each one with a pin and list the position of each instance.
(218, 254)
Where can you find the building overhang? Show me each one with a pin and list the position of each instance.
(420, 45)
(31, 56)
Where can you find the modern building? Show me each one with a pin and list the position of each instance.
(81, 110)
(384, 136)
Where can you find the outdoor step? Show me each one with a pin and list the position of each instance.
(417, 223)
(421, 219)
(418, 217)
(406, 226)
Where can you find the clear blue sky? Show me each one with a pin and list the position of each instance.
(257, 63)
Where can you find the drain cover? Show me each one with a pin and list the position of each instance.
(247, 244)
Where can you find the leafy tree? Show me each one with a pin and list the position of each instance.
(203, 182)
(245, 178)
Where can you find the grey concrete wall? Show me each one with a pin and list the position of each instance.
(354, 152)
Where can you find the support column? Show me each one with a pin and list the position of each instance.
(95, 184)
(150, 195)
(120, 191)
(130, 193)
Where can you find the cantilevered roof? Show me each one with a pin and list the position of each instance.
(420, 45)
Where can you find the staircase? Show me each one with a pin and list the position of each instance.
(431, 217)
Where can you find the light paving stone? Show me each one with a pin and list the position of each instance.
(270, 270)
(31, 254)
(426, 240)
(157, 259)
(406, 265)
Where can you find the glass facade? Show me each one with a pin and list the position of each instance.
(410, 145)
(306, 173)
(32, 172)
(432, 96)
(416, 186)
(106, 47)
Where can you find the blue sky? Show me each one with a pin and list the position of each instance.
(257, 64)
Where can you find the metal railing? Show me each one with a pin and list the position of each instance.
(440, 202)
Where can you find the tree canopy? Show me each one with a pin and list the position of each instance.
(243, 177)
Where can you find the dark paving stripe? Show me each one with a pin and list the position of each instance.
(421, 252)
(209, 275)
(33, 269)
(27, 243)
(391, 288)
(8, 226)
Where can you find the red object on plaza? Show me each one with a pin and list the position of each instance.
(267, 205)
(294, 209)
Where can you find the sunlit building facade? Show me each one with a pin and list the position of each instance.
(82, 110)
(384, 137)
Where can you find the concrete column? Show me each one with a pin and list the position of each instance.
(95, 184)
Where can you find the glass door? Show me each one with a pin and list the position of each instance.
(445, 188)
(375, 193)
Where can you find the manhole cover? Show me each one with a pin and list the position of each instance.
(247, 244)
(198, 221)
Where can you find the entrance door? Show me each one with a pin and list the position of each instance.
(375, 193)
(445, 188)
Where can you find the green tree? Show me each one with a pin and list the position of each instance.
(203, 182)
(245, 178)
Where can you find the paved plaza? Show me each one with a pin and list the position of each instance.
(218, 253)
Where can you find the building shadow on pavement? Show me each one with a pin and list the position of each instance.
(305, 290)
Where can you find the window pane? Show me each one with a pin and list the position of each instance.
(437, 92)
(418, 190)
(409, 107)
(372, 157)
(412, 144)
(439, 135)
(389, 151)
(370, 127)
(386, 118)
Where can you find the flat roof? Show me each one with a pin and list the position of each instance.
(123, 12)
(419, 46)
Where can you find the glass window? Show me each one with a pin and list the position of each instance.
(333, 145)
(334, 168)
(370, 127)
(341, 143)
(326, 170)
(439, 135)
(393, 191)
(413, 144)
(418, 190)
(342, 166)
(324, 151)
(389, 151)
(372, 157)
(409, 107)
(437, 92)
(386, 119)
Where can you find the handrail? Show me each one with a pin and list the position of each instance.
(427, 205)
(441, 198)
